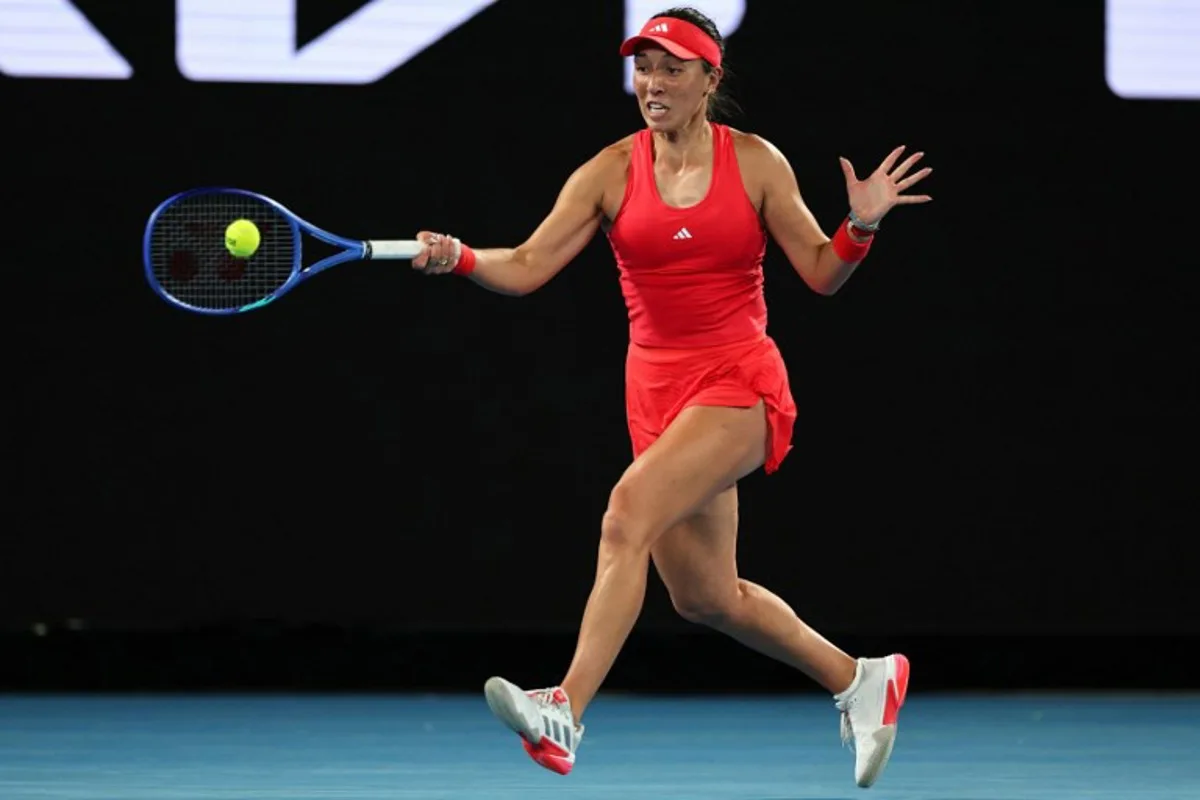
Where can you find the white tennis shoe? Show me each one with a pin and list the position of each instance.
(542, 718)
(870, 709)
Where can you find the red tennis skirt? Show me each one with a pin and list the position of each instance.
(662, 382)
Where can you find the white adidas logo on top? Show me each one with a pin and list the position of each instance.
(659, 28)
(684, 233)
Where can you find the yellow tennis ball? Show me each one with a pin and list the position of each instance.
(242, 238)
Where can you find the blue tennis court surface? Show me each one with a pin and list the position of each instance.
(297, 748)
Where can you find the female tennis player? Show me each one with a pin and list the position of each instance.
(687, 204)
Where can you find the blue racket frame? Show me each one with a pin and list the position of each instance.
(352, 250)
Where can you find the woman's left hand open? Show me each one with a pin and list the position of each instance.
(873, 198)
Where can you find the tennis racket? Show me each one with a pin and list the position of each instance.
(189, 266)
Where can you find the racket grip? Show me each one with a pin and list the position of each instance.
(392, 248)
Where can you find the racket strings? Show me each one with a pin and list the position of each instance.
(191, 263)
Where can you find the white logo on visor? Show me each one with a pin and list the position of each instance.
(727, 14)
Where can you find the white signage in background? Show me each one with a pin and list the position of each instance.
(255, 40)
(727, 14)
(1152, 49)
(248, 41)
(52, 39)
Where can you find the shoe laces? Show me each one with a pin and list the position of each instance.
(545, 697)
(847, 727)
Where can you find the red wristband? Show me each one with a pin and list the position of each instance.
(466, 261)
(846, 248)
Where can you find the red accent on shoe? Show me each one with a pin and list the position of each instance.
(549, 755)
(897, 689)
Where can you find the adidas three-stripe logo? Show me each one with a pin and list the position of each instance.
(684, 233)
(558, 733)
(659, 28)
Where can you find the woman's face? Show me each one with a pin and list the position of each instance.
(670, 91)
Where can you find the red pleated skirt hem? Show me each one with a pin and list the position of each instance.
(660, 383)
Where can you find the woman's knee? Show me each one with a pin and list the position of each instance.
(627, 523)
(706, 604)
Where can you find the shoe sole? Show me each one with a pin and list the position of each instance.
(885, 742)
(885, 737)
(502, 699)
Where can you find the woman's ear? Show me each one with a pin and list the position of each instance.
(714, 79)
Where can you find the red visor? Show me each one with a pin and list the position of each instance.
(679, 38)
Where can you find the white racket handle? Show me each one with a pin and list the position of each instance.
(393, 248)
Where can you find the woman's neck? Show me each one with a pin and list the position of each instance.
(685, 145)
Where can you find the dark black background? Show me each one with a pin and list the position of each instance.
(994, 413)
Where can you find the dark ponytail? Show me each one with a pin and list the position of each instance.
(720, 104)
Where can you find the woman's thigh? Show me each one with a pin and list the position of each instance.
(703, 452)
(697, 558)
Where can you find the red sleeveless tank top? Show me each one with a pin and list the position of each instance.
(691, 277)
